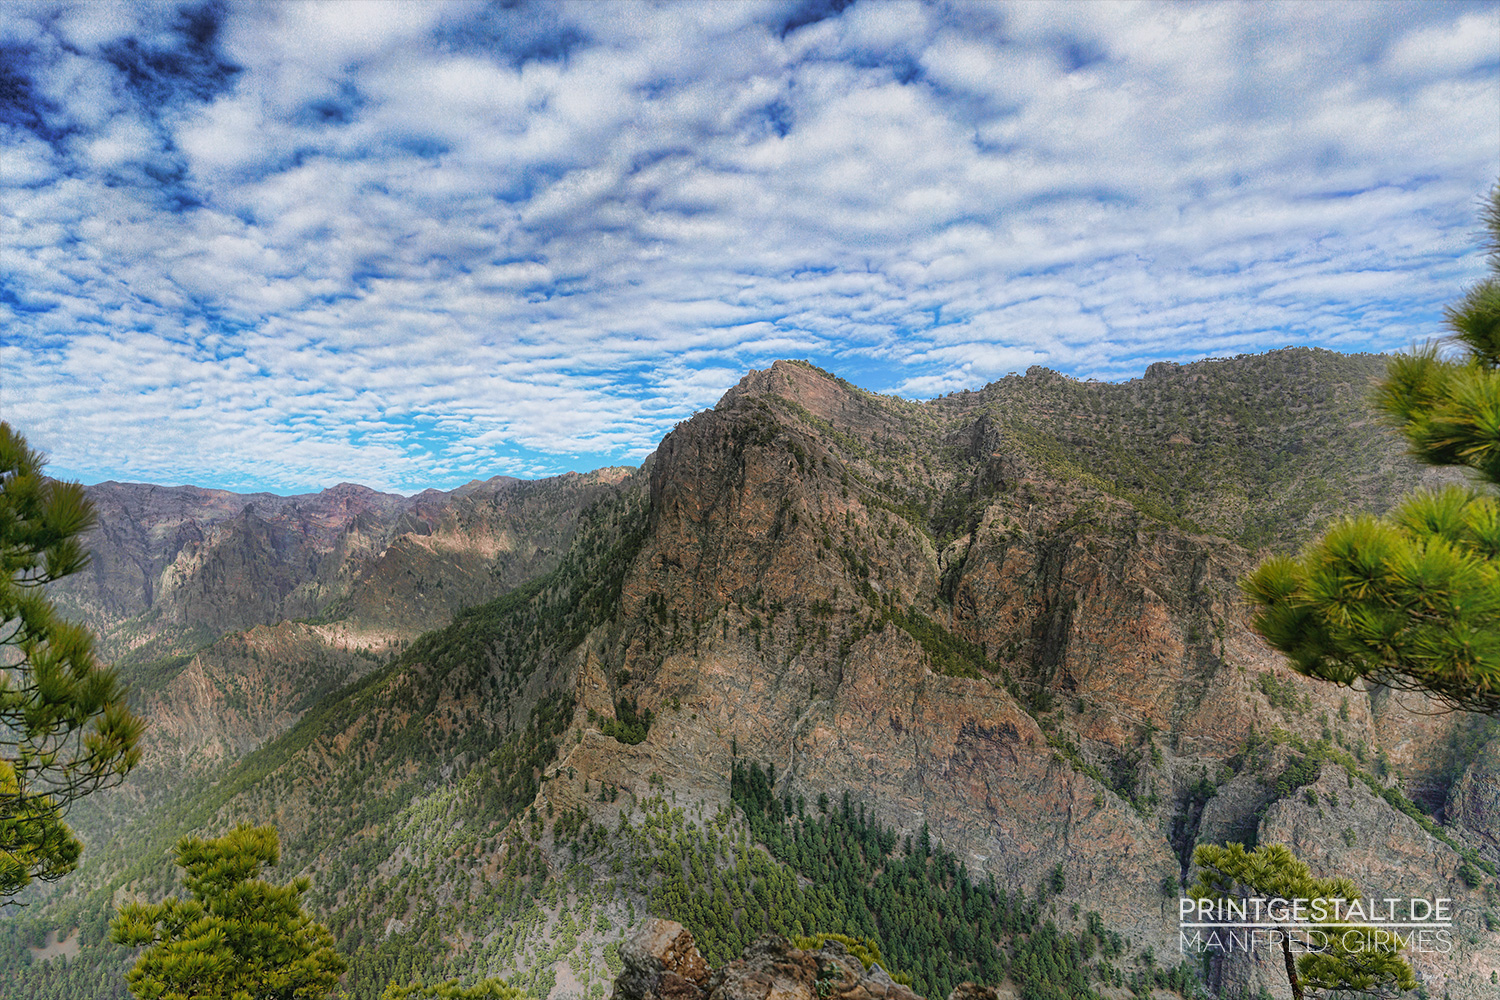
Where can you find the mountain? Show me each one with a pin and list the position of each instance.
(828, 656)
(232, 614)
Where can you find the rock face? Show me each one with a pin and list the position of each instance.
(1474, 801)
(922, 606)
(200, 591)
(177, 567)
(662, 963)
(206, 561)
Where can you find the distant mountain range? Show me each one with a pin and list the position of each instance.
(997, 632)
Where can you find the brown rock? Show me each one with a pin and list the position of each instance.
(771, 969)
(972, 991)
(661, 963)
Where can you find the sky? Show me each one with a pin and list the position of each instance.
(279, 246)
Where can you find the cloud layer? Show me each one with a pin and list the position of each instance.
(409, 244)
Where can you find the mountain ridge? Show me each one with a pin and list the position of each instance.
(982, 623)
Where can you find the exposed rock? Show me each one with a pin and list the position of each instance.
(181, 565)
(791, 524)
(1339, 827)
(807, 551)
(972, 991)
(271, 602)
(1474, 800)
(662, 963)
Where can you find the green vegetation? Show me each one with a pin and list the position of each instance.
(1260, 451)
(1282, 694)
(235, 935)
(1412, 600)
(827, 868)
(1359, 959)
(450, 989)
(630, 724)
(911, 902)
(949, 653)
(65, 731)
(864, 949)
(426, 760)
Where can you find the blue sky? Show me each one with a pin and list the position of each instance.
(279, 246)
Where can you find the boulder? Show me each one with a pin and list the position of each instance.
(661, 963)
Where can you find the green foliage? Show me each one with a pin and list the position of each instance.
(1257, 449)
(1409, 601)
(235, 936)
(916, 902)
(1359, 959)
(949, 653)
(1412, 600)
(1280, 693)
(863, 948)
(485, 989)
(65, 730)
(630, 724)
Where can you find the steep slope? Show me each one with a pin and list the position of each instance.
(180, 566)
(968, 615)
(464, 721)
(362, 573)
(797, 600)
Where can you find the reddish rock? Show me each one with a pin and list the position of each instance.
(772, 969)
(661, 963)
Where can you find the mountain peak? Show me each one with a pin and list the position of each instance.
(820, 392)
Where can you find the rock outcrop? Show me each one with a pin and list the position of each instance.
(662, 963)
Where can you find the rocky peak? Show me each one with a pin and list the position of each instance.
(820, 392)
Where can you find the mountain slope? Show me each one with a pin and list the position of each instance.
(969, 615)
(208, 579)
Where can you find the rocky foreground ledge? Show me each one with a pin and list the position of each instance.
(663, 963)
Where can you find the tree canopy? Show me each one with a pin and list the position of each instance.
(1412, 600)
(236, 937)
(1353, 959)
(485, 989)
(65, 730)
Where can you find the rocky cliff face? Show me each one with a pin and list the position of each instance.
(234, 614)
(192, 564)
(824, 567)
(174, 568)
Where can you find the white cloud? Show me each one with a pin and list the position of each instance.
(423, 243)
(1469, 42)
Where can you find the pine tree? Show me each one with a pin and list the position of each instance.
(485, 989)
(1412, 600)
(235, 936)
(64, 728)
(1358, 960)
